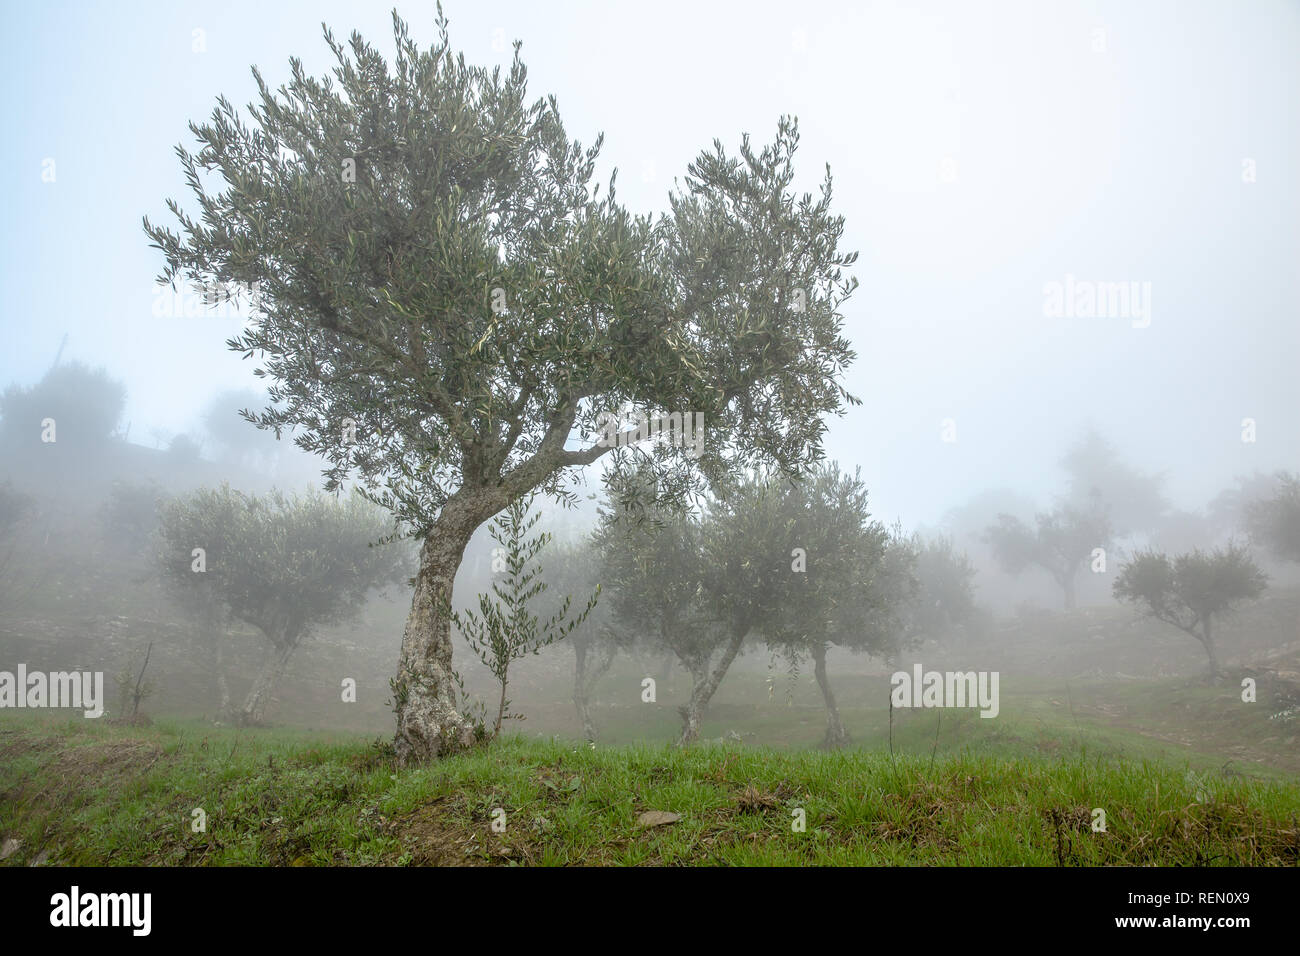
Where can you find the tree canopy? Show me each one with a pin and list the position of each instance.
(1060, 544)
(284, 564)
(468, 298)
(85, 404)
(1275, 521)
(1192, 590)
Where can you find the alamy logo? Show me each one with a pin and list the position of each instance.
(1086, 299)
(56, 689)
(676, 428)
(947, 689)
(102, 909)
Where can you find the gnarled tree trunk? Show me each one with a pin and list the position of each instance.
(703, 686)
(836, 735)
(253, 711)
(428, 723)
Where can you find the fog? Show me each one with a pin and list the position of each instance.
(980, 151)
(1072, 220)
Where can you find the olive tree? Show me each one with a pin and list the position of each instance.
(73, 409)
(1191, 591)
(945, 596)
(1060, 544)
(449, 310)
(283, 564)
(1275, 521)
(808, 562)
(653, 569)
(597, 640)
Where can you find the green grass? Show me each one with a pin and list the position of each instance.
(87, 793)
(1173, 720)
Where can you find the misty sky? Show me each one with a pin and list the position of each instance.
(980, 151)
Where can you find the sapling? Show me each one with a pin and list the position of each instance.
(133, 688)
(505, 629)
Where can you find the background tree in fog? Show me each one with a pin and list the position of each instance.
(444, 302)
(1132, 500)
(1061, 544)
(576, 569)
(1228, 512)
(1192, 591)
(854, 583)
(945, 589)
(86, 405)
(1274, 522)
(653, 568)
(285, 565)
(840, 586)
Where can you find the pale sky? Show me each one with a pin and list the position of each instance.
(980, 151)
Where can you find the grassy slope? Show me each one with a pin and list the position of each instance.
(1178, 719)
(83, 793)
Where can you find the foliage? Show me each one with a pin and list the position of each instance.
(1275, 521)
(1229, 511)
(86, 405)
(849, 585)
(1060, 544)
(15, 507)
(945, 597)
(598, 639)
(284, 564)
(1192, 590)
(225, 424)
(653, 568)
(132, 688)
(432, 263)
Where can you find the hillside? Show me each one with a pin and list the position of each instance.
(96, 794)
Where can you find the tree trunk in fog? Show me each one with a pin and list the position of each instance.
(424, 691)
(584, 681)
(212, 638)
(836, 735)
(223, 689)
(703, 686)
(580, 691)
(253, 712)
(1208, 643)
(1067, 583)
